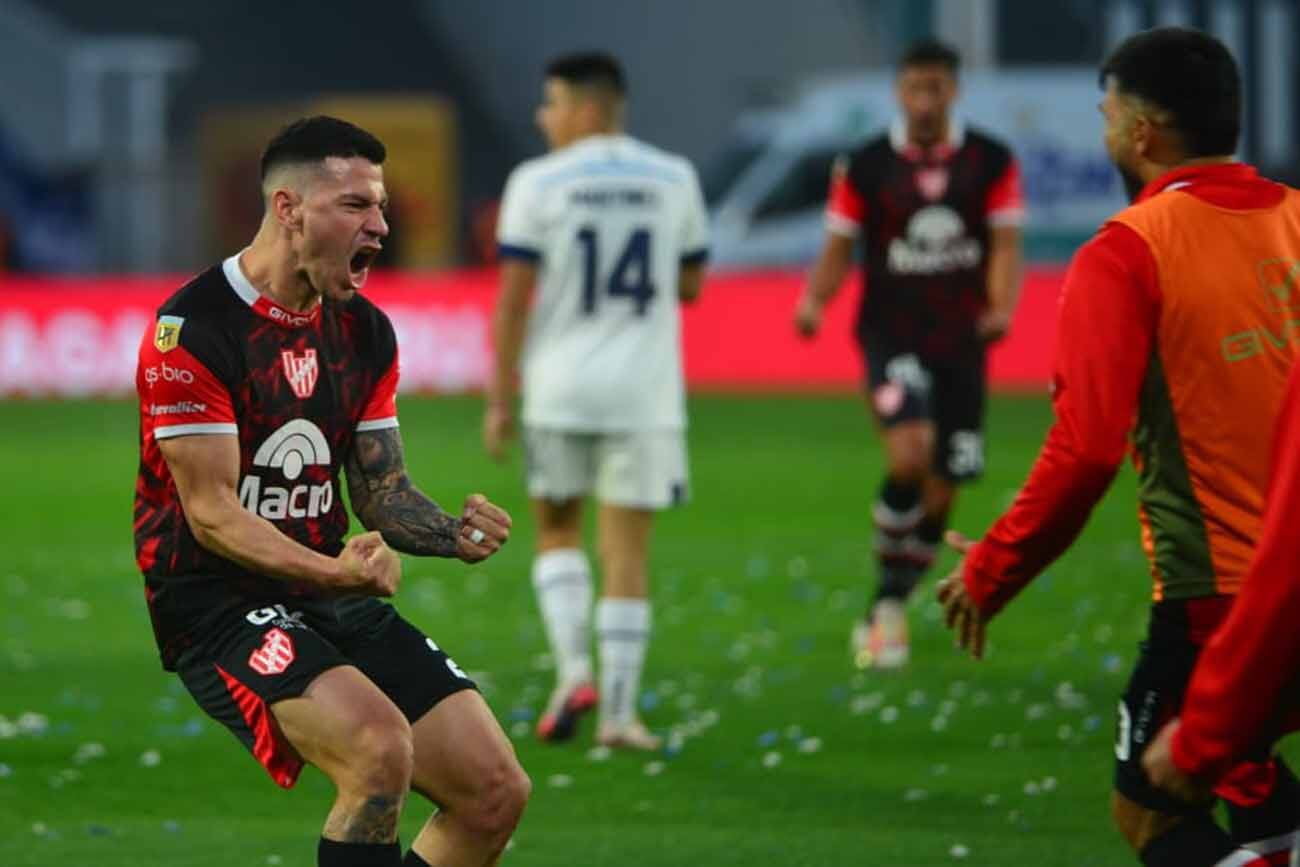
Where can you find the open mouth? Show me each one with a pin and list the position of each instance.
(359, 265)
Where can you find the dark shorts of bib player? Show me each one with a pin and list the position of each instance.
(932, 424)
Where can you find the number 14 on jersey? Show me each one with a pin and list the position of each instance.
(630, 277)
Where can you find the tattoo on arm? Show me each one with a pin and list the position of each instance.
(373, 821)
(385, 500)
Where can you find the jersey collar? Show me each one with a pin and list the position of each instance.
(943, 150)
(262, 305)
(1186, 176)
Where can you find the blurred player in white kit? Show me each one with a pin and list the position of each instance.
(604, 235)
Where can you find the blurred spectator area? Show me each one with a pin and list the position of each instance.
(127, 129)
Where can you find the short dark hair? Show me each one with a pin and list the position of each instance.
(930, 52)
(311, 139)
(1189, 74)
(589, 69)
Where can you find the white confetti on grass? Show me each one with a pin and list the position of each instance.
(559, 781)
(32, 723)
(150, 759)
(88, 752)
(810, 745)
(771, 759)
(959, 851)
(654, 769)
(599, 753)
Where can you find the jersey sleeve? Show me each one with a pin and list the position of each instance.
(519, 228)
(1246, 667)
(695, 230)
(380, 410)
(179, 394)
(1109, 309)
(846, 207)
(1004, 205)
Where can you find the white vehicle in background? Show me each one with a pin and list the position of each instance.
(768, 188)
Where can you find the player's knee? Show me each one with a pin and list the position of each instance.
(498, 802)
(382, 757)
(909, 466)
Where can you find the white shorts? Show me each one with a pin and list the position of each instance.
(642, 470)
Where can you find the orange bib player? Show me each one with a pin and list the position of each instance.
(1175, 343)
(1242, 693)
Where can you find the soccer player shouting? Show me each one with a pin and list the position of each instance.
(1177, 330)
(263, 377)
(938, 209)
(611, 233)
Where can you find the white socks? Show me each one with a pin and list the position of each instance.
(562, 580)
(623, 631)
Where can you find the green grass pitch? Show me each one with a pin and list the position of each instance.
(789, 755)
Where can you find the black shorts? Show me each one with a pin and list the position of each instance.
(905, 386)
(250, 654)
(1154, 696)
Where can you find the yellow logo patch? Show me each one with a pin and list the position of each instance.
(167, 336)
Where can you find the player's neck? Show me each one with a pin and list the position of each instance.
(1151, 171)
(943, 136)
(274, 273)
(596, 132)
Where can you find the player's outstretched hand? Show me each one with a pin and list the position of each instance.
(993, 325)
(807, 317)
(959, 611)
(1158, 762)
(484, 529)
(373, 569)
(498, 430)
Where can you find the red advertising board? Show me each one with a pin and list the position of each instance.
(79, 337)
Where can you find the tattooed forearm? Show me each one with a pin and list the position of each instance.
(385, 500)
(372, 821)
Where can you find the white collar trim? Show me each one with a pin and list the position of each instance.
(235, 276)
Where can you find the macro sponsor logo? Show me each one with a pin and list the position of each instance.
(294, 446)
(936, 243)
(184, 407)
(167, 373)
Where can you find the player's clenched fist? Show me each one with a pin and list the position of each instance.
(484, 529)
(371, 567)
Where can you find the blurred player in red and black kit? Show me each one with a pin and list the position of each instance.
(263, 377)
(938, 209)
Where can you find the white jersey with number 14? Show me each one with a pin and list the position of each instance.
(609, 221)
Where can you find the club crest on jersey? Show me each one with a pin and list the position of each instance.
(167, 336)
(301, 371)
(932, 182)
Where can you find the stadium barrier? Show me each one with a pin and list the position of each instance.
(79, 337)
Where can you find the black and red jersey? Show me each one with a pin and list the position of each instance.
(924, 216)
(293, 387)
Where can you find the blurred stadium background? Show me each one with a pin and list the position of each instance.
(129, 136)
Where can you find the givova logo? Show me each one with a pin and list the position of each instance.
(289, 449)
